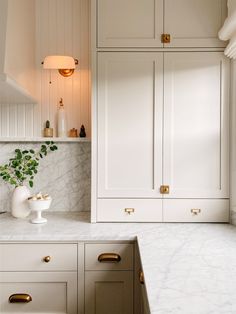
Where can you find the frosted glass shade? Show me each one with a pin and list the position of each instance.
(59, 62)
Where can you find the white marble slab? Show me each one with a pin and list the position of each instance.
(188, 268)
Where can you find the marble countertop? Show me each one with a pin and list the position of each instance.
(188, 268)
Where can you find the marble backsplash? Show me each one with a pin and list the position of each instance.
(64, 174)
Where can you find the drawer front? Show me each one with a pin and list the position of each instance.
(111, 256)
(129, 210)
(38, 257)
(47, 292)
(196, 210)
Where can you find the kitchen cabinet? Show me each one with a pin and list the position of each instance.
(109, 292)
(42, 277)
(162, 134)
(143, 23)
(109, 278)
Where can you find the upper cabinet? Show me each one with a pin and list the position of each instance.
(17, 52)
(144, 23)
(194, 23)
(132, 23)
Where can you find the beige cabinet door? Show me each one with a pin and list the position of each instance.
(129, 23)
(196, 129)
(49, 292)
(108, 292)
(130, 106)
(194, 23)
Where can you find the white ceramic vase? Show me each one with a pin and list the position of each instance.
(19, 204)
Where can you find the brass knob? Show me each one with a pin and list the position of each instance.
(165, 38)
(47, 259)
(164, 189)
(129, 210)
(20, 298)
(141, 277)
(109, 257)
(195, 211)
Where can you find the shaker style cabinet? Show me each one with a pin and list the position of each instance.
(38, 278)
(160, 23)
(162, 135)
(109, 278)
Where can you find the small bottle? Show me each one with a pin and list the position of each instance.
(62, 122)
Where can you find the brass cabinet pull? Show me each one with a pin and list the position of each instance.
(195, 211)
(165, 38)
(47, 259)
(20, 298)
(109, 258)
(164, 189)
(141, 277)
(129, 210)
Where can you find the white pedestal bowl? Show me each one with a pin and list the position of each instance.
(38, 206)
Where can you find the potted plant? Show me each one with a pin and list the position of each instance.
(20, 171)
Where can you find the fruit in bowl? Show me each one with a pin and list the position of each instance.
(38, 203)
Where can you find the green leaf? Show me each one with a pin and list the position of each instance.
(48, 143)
(32, 151)
(31, 183)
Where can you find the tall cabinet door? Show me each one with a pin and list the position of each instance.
(196, 105)
(129, 23)
(130, 89)
(194, 23)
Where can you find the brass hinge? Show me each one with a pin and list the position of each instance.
(165, 38)
(164, 189)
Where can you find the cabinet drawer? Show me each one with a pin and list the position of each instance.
(112, 256)
(31, 257)
(196, 210)
(129, 210)
(48, 292)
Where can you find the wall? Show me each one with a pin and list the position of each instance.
(62, 27)
(64, 174)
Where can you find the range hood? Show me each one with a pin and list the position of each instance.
(17, 52)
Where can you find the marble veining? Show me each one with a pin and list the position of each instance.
(64, 174)
(188, 268)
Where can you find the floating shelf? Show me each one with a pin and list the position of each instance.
(44, 139)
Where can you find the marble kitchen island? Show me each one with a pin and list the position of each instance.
(188, 268)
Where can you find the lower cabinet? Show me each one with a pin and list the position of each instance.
(108, 292)
(109, 278)
(36, 292)
(70, 278)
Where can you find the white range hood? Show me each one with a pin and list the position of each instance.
(17, 52)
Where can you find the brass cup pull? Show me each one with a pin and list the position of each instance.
(195, 211)
(141, 277)
(129, 211)
(109, 258)
(20, 298)
(47, 259)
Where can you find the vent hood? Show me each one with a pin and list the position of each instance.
(17, 52)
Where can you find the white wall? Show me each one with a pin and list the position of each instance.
(62, 27)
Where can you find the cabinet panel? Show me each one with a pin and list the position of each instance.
(196, 161)
(109, 292)
(142, 210)
(194, 210)
(50, 292)
(30, 257)
(130, 104)
(194, 23)
(133, 23)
